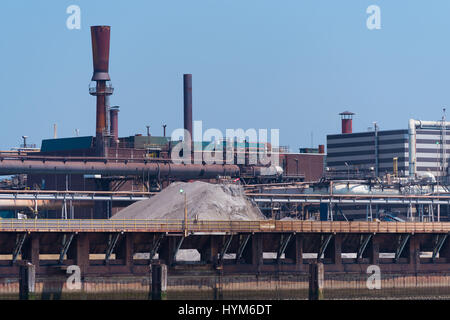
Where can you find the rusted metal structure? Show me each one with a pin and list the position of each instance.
(305, 166)
(163, 170)
(135, 162)
(100, 36)
(106, 246)
(301, 205)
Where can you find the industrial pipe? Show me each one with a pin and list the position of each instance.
(114, 118)
(100, 127)
(7, 204)
(412, 147)
(187, 90)
(151, 169)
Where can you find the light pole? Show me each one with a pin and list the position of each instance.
(185, 213)
(348, 171)
(437, 182)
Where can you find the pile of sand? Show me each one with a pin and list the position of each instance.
(205, 201)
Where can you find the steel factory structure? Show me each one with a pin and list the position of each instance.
(108, 162)
(373, 193)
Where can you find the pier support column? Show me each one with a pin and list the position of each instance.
(168, 247)
(253, 254)
(374, 250)
(257, 250)
(124, 251)
(445, 250)
(316, 281)
(294, 250)
(336, 249)
(159, 282)
(414, 252)
(165, 251)
(27, 280)
(30, 252)
(82, 252)
(210, 250)
(129, 250)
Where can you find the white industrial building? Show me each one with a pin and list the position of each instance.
(418, 150)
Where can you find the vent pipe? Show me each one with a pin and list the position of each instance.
(114, 118)
(187, 90)
(346, 117)
(24, 141)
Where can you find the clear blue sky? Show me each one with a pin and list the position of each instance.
(292, 65)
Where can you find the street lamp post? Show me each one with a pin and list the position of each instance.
(185, 213)
(348, 171)
(437, 182)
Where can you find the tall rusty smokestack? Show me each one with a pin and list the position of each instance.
(100, 36)
(114, 118)
(187, 90)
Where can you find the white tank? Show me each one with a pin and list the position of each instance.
(426, 177)
(271, 171)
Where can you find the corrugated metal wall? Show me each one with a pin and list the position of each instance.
(358, 150)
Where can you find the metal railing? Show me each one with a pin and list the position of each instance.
(75, 195)
(258, 197)
(352, 198)
(222, 227)
(107, 90)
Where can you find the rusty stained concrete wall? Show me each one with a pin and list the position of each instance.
(245, 286)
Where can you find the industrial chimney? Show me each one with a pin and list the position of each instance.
(114, 118)
(100, 36)
(321, 148)
(346, 117)
(187, 90)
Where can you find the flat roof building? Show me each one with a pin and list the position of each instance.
(408, 152)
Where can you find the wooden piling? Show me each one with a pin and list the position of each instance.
(159, 282)
(27, 280)
(316, 281)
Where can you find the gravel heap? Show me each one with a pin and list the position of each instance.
(205, 201)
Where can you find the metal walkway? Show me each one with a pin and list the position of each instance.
(257, 197)
(219, 227)
(350, 199)
(73, 195)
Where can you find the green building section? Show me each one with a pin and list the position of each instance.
(75, 143)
